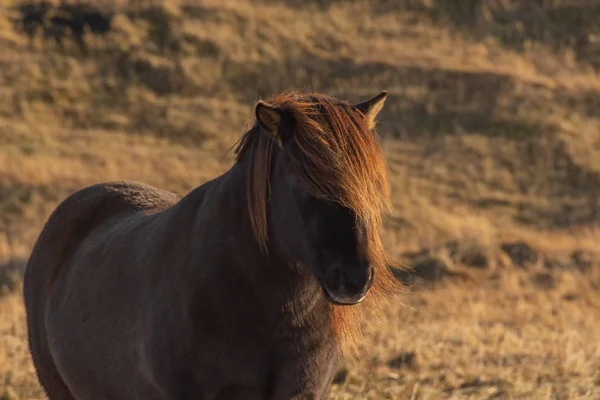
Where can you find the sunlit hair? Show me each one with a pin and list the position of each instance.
(335, 156)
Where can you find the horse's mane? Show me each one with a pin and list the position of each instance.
(335, 156)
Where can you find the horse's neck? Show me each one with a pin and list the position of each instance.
(224, 224)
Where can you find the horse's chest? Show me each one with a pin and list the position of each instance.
(273, 368)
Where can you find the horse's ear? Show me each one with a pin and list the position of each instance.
(269, 118)
(370, 108)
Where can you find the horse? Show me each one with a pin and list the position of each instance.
(251, 286)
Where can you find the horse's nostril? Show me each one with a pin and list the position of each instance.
(348, 283)
(338, 279)
(337, 272)
(347, 278)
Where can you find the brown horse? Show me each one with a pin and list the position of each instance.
(242, 289)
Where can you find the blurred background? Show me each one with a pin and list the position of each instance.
(491, 129)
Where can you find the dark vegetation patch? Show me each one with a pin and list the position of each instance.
(404, 360)
(61, 21)
(11, 275)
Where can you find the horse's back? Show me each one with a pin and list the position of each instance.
(67, 227)
(80, 213)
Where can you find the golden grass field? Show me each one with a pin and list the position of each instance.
(491, 129)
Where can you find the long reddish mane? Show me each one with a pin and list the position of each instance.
(335, 156)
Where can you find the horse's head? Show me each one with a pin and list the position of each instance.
(327, 187)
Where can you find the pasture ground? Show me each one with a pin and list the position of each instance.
(492, 134)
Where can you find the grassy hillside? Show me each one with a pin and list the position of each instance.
(491, 129)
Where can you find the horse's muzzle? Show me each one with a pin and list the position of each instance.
(347, 285)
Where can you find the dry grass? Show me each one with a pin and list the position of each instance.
(509, 340)
(491, 131)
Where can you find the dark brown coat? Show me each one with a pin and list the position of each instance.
(242, 289)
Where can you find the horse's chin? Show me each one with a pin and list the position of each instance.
(343, 299)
